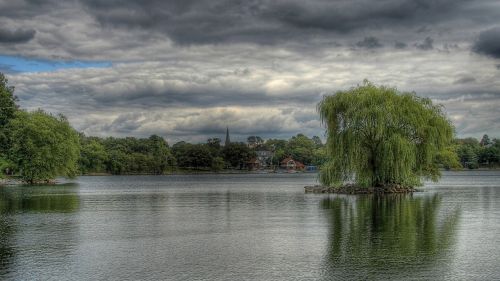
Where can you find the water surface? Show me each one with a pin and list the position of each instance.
(248, 227)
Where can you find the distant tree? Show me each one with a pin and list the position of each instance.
(159, 153)
(93, 156)
(217, 164)
(275, 144)
(301, 148)
(317, 141)
(43, 146)
(214, 146)
(214, 143)
(8, 108)
(485, 140)
(195, 156)
(278, 146)
(237, 154)
(468, 141)
(468, 151)
(468, 156)
(489, 155)
(378, 136)
(254, 141)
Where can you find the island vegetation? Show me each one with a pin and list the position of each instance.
(38, 146)
(383, 140)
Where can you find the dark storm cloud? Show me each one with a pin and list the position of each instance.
(189, 68)
(400, 45)
(488, 43)
(259, 21)
(26, 8)
(146, 97)
(16, 36)
(465, 80)
(426, 45)
(369, 43)
(344, 16)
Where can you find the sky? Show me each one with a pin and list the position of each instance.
(186, 70)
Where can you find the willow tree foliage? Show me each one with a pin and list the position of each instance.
(377, 135)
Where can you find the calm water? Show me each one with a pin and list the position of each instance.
(248, 227)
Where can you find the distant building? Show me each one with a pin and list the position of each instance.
(264, 157)
(290, 164)
(254, 164)
(228, 140)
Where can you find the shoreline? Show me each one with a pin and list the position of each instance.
(353, 190)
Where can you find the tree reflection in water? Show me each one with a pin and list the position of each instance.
(391, 236)
(16, 200)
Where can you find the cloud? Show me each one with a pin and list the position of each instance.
(400, 45)
(369, 43)
(264, 22)
(465, 80)
(488, 43)
(426, 45)
(16, 36)
(185, 69)
(196, 97)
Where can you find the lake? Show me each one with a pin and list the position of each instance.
(248, 227)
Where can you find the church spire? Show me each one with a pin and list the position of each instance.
(228, 141)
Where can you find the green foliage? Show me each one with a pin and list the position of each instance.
(489, 155)
(197, 156)
(125, 155)
(448, 159)
(366, 230)
(377, 135)
(5, 165)
(8, 108)
(8, 105)
(43, 146)
(472, 154)
(301, 148)
(217, 164)
(237, 154)
(485, 140)
(93, 156)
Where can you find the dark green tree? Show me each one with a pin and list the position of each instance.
(217, 164)
(485, 140)
(468, 151)
(159, 153)
(377, 135)
(301, 148)
(8, 108)
(317, 141)
(43, 146)
(195, 156)
(93, 156)
(237, 154)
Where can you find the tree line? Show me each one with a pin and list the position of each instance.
(38, 146)
(154, 155)
(473, 153)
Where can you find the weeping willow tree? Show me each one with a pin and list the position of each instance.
(378, 136)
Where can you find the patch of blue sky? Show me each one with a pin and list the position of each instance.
(20, 64)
